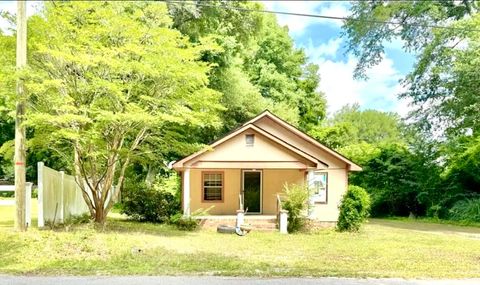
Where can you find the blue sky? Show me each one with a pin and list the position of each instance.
(320, 38)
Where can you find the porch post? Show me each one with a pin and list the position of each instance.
(186, 192)
(310, 183)
(240, 218)
(283, 221)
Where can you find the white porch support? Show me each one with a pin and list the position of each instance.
(310, 184)
(186, 192)
(283, 221)
(240, 218)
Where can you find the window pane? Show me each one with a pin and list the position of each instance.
(212, 186)
(213, 193)
(320, 187)
(249, 140)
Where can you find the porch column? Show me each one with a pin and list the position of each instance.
(240, 218)
(310, 177)
(283, 222)
(310, 183)
(186, 192)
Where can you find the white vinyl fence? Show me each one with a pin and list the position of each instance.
(59, 196)
(28, 200)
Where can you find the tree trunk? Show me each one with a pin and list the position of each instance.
(20, 150)
(100, 217)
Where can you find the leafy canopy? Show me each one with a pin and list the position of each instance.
(104, 78)
(258, 67)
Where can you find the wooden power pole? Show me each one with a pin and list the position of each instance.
(20, 151)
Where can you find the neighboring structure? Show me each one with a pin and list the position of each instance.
(248, 168)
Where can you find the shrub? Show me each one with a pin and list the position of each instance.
(296, 203)
(184, 223)
(354, 209)
(149, 204)
(466, 211)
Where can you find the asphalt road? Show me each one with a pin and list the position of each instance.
(180, 280)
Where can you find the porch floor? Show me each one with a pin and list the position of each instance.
(234, 217)
(259, 222)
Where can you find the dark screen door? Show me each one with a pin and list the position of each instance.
(252, 190)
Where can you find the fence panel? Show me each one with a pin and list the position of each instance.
(74, 204)
(59, 196)
(28, 200)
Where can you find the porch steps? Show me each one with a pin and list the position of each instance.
(260, 222)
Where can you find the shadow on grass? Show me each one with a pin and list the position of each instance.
(134, 227)
(7, 215)
(158, 261)
(6, 224)
(9, 249)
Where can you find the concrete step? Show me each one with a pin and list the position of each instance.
(256, 222)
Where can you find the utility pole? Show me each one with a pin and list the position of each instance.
(20, 152)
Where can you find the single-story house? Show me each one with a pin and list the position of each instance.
(248, 168)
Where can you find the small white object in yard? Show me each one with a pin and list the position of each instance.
(136, 250)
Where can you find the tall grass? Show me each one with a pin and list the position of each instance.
(466, 211)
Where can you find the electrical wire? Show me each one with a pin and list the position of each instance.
(201, 4)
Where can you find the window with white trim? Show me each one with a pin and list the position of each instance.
(212, 186)
(320, 186)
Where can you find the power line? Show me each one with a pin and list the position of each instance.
(313, 15)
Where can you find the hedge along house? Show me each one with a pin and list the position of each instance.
(248, 168)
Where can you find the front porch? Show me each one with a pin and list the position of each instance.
(258, 222)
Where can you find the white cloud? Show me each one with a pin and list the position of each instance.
(378, 92)
(298, 24)
(317, 53)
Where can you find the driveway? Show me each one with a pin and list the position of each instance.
(433, 228)
(207, 280)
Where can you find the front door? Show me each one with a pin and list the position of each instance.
(252, 191)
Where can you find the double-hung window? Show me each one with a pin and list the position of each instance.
(212, 186)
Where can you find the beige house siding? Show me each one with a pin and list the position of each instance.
(235, 150)
(231, 189)
(279, 131)
(282, 153)
(271, 184)
(273, 181)
(336, 188)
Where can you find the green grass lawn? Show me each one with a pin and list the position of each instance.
(381, 249)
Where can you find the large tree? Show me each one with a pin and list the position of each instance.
(109, 82)
(444, 82)
(443, 85)
(351, 126)
(258, 68)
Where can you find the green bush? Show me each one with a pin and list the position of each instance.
(149, 204)
(184, 223)
(466, 211)
(354, 209)
(296, 203)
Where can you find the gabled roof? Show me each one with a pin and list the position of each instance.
(251, 125)
(267, 113)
